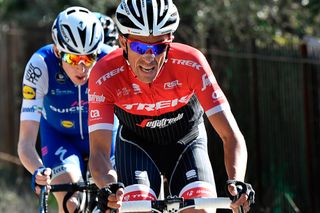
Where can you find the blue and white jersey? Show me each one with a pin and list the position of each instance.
(49, 93)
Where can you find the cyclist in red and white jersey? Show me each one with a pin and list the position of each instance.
(159, 91)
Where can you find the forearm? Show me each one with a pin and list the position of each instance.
(235, 156)
(101, 170)
(29, 157)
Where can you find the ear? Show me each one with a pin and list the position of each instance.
(122, 42)
(56, 51)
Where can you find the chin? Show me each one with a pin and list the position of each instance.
(79, 82)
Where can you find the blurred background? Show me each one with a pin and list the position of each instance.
(264, 54)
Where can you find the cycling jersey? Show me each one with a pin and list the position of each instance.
(162, 112)
(51, 98)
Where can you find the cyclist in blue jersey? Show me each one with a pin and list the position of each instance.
(55, 100)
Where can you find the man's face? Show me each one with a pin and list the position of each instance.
(76, 67)
(146, 55)
(78, 74)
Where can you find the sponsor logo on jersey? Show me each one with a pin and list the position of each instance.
(191, 174)
(207, 81)
(160, 123)
(67, 124)
(188, 63)
(96, 98)
(123, 92)
(141, 175)
(61, 92)
(60, 78)
(32, 109)
(216, 94)
(94, 113)
(33, 74)
(172, 84)
(73, 109)
(109, 75)
(58, 170)
(28, 92)
(158, 105)
(136, 89)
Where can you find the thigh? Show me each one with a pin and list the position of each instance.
(193, 172)
(135, 167)
(59, 153)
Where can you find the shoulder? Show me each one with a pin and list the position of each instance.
(183, 50)
(112, 59)
(109, 63)
(186, 56)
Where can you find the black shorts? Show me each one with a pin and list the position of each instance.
(180, 163)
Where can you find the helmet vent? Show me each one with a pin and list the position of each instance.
(125, 21)
(92, 33)
(82, 33)
(150, 15)
(67, 27)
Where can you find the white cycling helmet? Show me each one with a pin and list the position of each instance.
(147, 17)
(76, 30)
(109, 28)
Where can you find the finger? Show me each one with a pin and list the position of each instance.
(232, 189)
(119, 194)
(47, 172)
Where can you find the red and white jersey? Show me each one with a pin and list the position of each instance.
(166, 109)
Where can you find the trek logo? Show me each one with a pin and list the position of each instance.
(188, 63)
(172, 84)
(207, 81)
(109, 75)
(160, 123)
(33, 74)
(157, 105)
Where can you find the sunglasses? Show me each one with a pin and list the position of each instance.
(141, 47)
(74, 60)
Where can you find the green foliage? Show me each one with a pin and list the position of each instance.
(39, 13)
(232, 22)
(204, 23)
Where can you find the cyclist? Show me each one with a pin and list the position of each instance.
(109, 28)
(55, 99)
(159, 90)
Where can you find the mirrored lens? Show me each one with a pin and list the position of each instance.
(73, 59)
(142, 48)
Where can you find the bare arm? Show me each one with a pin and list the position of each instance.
(27, 145)
(99, 160)
(235, 150)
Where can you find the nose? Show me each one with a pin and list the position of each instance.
(82, 68)
(148, 56)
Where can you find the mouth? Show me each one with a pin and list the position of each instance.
(147, 70)
(81, 78)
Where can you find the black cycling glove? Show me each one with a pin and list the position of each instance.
(242, 188)
(104, 193)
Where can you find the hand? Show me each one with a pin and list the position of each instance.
(110, 197)
(242, 195)
(41, 177)
(115, 200)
